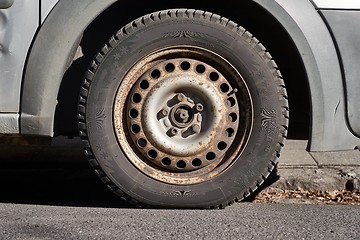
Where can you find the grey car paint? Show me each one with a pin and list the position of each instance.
(14, 46)
(40, 88)
(310, 35)
(337, 4)
(343, 23)
(6, 3)
(46, 7)
(313, 40)
(340, 22)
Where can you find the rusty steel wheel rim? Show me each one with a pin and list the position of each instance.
(182, 115)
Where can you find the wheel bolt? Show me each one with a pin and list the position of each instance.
(199, 107)
(165, 112)
(172, 132)
(196, 128)
(180, 97)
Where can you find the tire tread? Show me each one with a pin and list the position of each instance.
(192, 14)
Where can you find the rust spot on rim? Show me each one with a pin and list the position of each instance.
(182, 148)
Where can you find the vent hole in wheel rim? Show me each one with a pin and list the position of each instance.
(136, 98)
(135, 128)
(222, 146)
(170, 67)
(144, 84)
(152, 154)
(141, 142)
(134, 113)
(200, 68)
(181, 164)
(196, 162)
(230, 132)
(155, 74)
(185, 66)
(232, 117)
(184, 98)
(224, 87)
(231, 101)
(210, 156)
(214, 76)
(166, 161)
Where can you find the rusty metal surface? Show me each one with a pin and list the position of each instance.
(182, 115)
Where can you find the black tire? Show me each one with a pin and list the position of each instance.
(249, 87)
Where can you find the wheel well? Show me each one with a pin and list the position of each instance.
(246, 13)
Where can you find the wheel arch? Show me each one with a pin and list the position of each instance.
(329, 130)
(328, 112)
(51, 54)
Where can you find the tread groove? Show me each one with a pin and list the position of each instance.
(182, 13)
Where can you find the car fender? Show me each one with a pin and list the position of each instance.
(52, 51)
(6, 3)
(329, 130)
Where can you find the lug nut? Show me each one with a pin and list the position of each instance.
(172, 132)
(196, 128)
(199, 107)
(180, 97)
(164, 112)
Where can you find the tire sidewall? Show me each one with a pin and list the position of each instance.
(136, 43)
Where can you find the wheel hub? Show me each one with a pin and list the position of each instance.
(181, 115)
(184, 115)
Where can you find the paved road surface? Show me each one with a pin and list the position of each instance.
(65, 200)
(240, 221)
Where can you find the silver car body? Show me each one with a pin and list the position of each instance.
(38, 40)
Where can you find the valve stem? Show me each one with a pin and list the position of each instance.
(235, 90)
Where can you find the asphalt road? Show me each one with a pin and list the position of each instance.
(240, 221)
(65, 200)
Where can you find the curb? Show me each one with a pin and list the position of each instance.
(320, 179)
(322, 171)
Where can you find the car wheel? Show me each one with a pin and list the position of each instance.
(183, 109)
